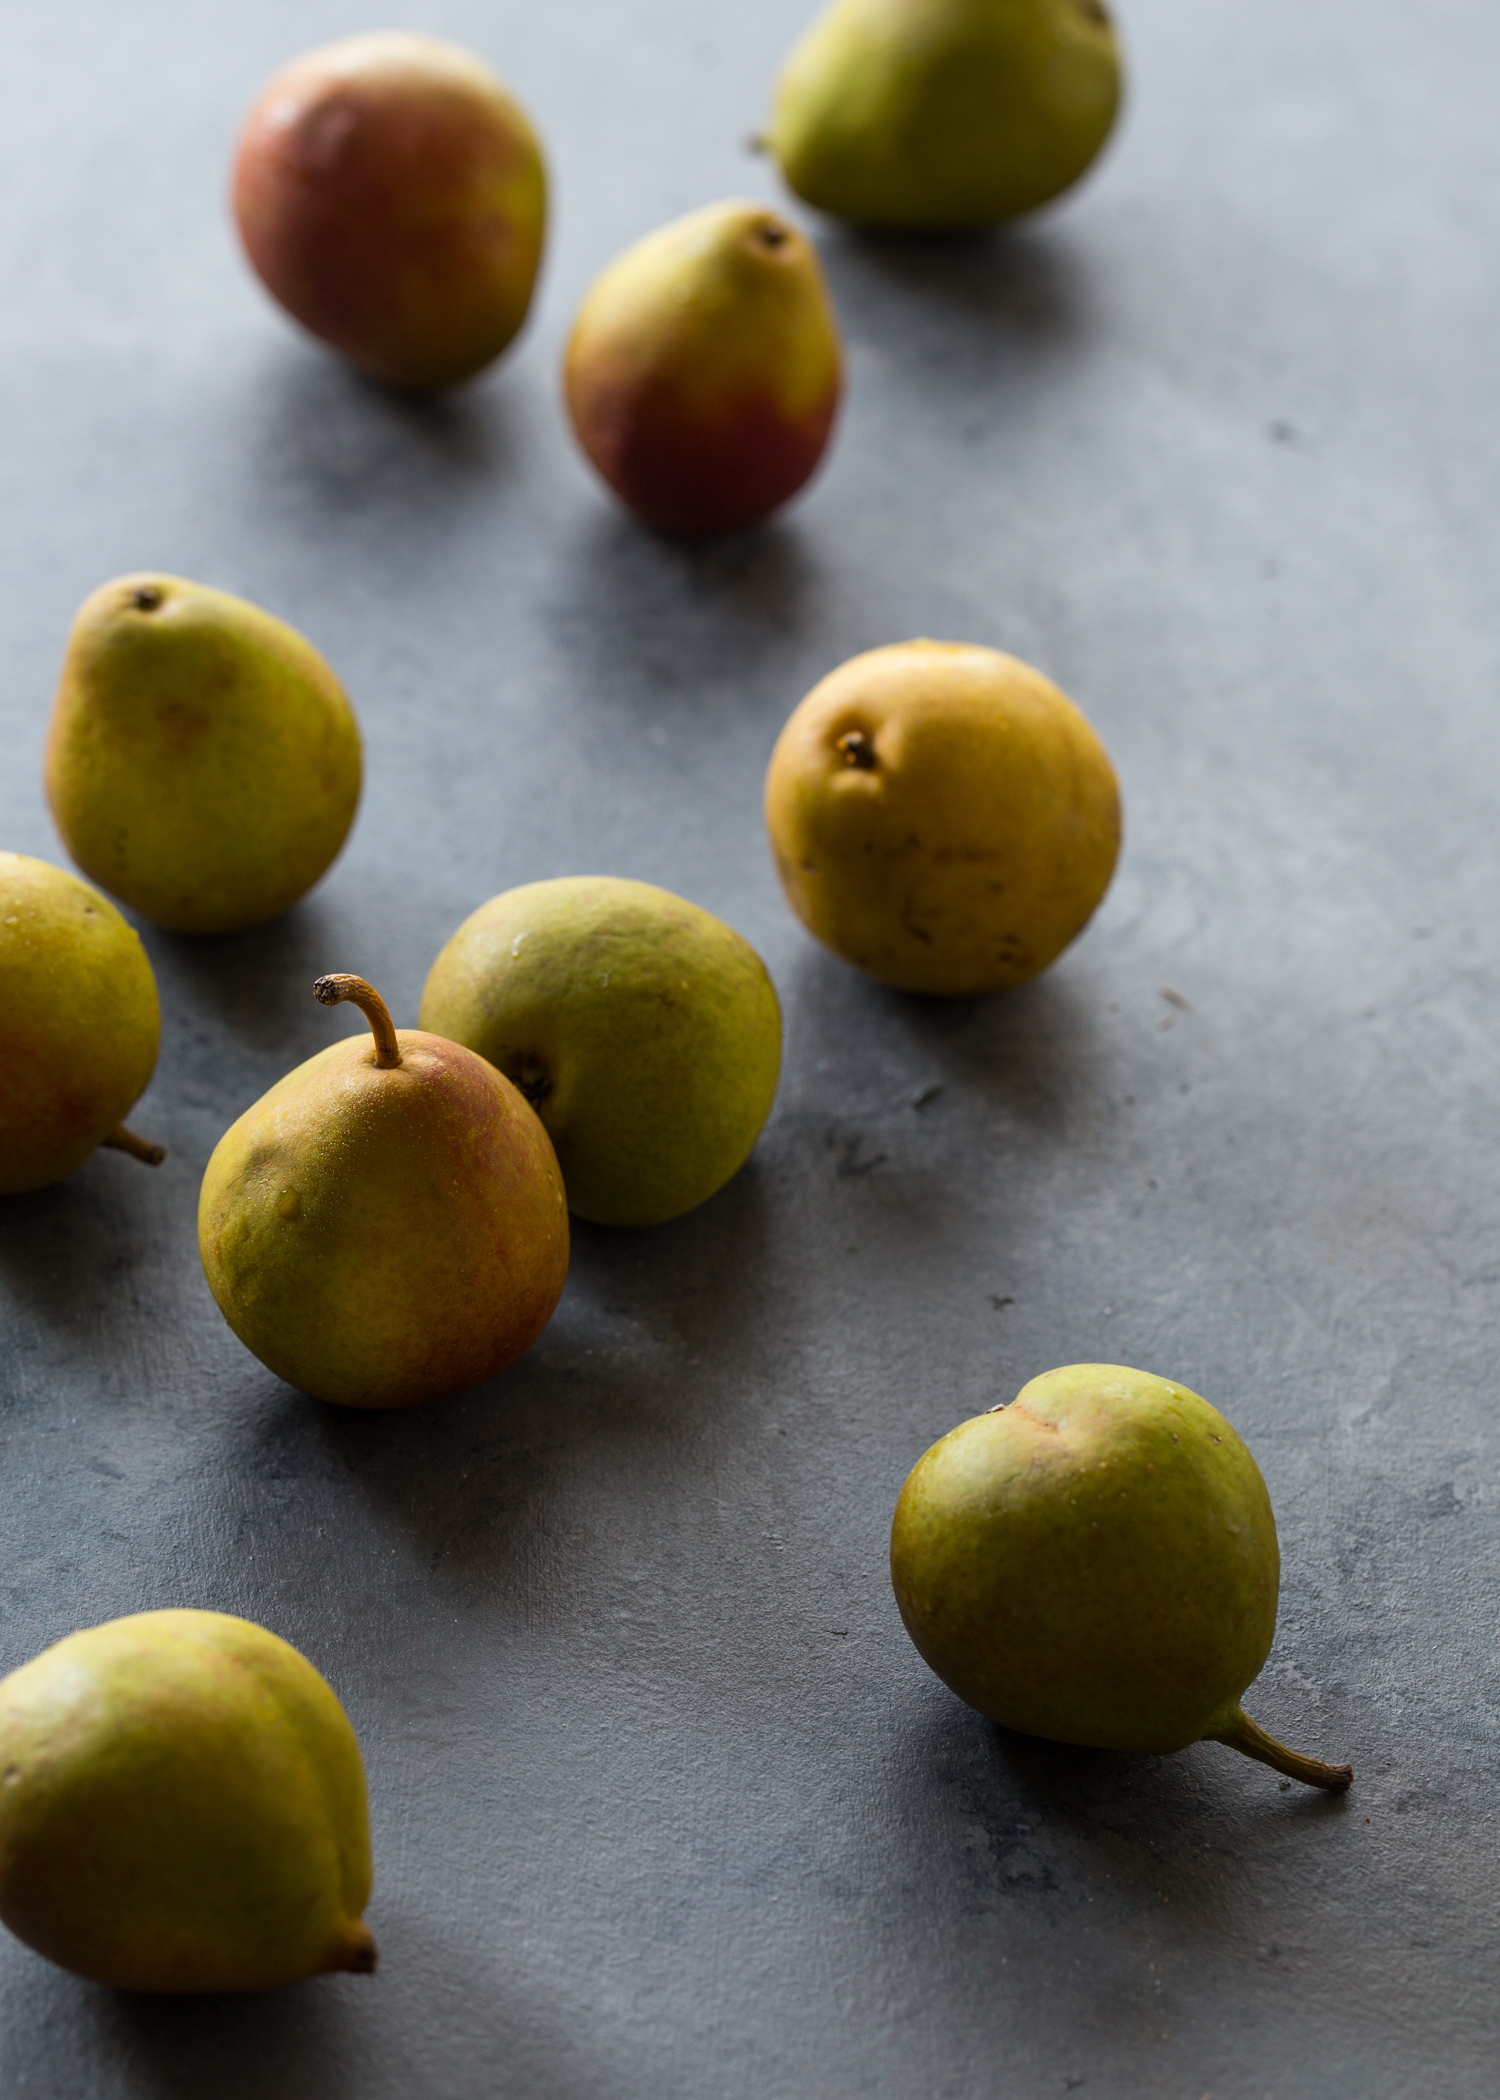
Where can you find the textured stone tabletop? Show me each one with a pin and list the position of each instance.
(665, 1805)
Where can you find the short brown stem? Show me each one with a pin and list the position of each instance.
(122, 1140)
(1251, 1740)
(334, 990)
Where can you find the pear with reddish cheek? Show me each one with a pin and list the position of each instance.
(391, 195)
(704, 370)
(388, 1223)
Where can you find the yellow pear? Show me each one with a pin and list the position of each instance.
(203, 763)
(82, 1025)
(183, 1808)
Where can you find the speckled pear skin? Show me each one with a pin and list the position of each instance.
(646, 1030)
(203, 763)
(1097, 1563)
(183, 1809)
(82, 1022)
(941, 115)
(391, 194)
(382, 1237)
(942, 816)
(704, 369)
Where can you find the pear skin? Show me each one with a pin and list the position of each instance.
(1097, 1563)
(942, 816)
(645, 1032)
(82, 1025)
(390, 193)
(183, 1809)
(941, 115)
(704, 370)
(388, 1223)
(203, 763)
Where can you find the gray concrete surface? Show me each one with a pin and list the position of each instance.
(666, 1808)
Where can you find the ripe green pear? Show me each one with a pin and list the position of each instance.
(183, 1808)
(203, 763)
(388, 1223)
(390, 192)
(938, 115)
(82, 1025)
(942, 816)
(704, 369)
(645, 1031)
(1097, 1563)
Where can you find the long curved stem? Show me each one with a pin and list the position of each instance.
(334, 990)
(1252, 1740)
(122, 1140)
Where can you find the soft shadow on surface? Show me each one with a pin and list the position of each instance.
(1023, 283)
(302, 2040)
(257, 985)
(323, 439)
(627, 1367)
(646, 616)
(865, 1050)
(1069, 1824)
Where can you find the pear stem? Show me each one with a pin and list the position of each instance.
(332, 991)
(122, 1140)
(1251, 1740)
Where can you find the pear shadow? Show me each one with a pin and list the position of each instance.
(1020, 281)
(68, 1254)
(490, 1483)
(254, 986)
(1065, 1825)
(329, 448)
(683, 625)
(1033, 1055)
(303, 2039)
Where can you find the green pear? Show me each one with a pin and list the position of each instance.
(935, 115)
(203, 763)
(183, 1808)
(82, 1025)
(1097, 1563)
(646, 1033)
(388, 1223)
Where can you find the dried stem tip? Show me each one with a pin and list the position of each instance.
(123, 1140)
(334, 990)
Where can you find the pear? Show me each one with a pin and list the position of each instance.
(1097, 1563)
(203, 763)
(82, 1025)
(388, 1223)
(942, 816)
(704, 370)
(390, 192)
(937, 115)
(645, 1032)
(183, 1808)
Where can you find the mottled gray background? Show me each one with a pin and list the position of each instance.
(665, 1806)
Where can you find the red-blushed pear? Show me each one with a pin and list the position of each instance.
(704, 370)
(390, 193)
(388, 1223)
(1097, 1563)
(183, 1809)
(82, 1025)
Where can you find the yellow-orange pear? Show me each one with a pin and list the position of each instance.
(942, 816)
